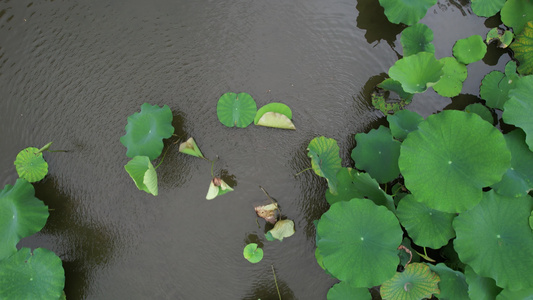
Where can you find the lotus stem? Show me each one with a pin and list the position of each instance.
(302, 171)
(276, 281)
(162, 158)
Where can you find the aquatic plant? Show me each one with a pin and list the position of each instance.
(253, 253)
(502, 37)
(236, 110)
(417, 38)
(487, 8)
(190, 147)
(325, 159)
(451, 82)
(523, 49)
(405, 11)
(416, 282)
(143, 174)
(496, 85)
(217, 187)
(282, 229)
(470, 49)
(343, 290)
(516, 13)
(517, 110)
(276, 115)
(417, 72)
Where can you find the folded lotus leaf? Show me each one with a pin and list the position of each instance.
(31, 165)
(268, 212)
(273, 107)
(454, 73)
(276, 120)
(325, 159)
(403, 122)
(143, 174)
(480, 110)
(217, 187)
(190, 147)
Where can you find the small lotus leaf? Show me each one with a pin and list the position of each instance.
(236, 109)
(406, 11)
(417, 38)
(268, 212)
(517, 110)
(217, 187)
(273, 107)
(282, 229)
(523, 50)
(452, 283)
(450, 158)
(190, 147)
(358, 241)
(417, 72)
(377, 153)
(392, 85)
(31, 165)
(525, 294)
(252, 253)
(325, 159)
(516, 13)
(480, 287)
(451, 83)
(480, 110)
(503, 37)
(487, 8)
(427, 227)
(496, 85)
(343, 290)
(146, 130)
(21, 215)
(414, 283)
(276, 120)
(403, 122)
(495, 239)
(143, 174)
(469, 50)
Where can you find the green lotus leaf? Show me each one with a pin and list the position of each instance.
(414, 283)
(480, 110)
(190, 147)
(525, 294)
(494, 238)
(406, 11)
(406, 257)
(503, 37)
(343, 290)
(450, 158)
(325, 159)
(21, 215)
(352, 184)
(273, 107)
(518, 180)
(276, 120)
(403, 122)
(31, 165)
(487, 8)
(427, 227)
(252, 253)
(143, 174)
(480, 287)
(523, 50)
(37, 275)
(417, 38)
(496, 85)
(517, 110)
(516, 13)
(217, 187)
(469, 50)
(387, 103)
(236, 109)
(358, 242)
(531, 221)
(451, 83)
(377, 153)
(282, 229)
(417, 72)
(452, 283)
(146, 130)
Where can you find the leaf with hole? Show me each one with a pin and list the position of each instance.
(414, 283)
(217, 187)
(143, 174)
(406, 11)
(470, 49)
(417, 72)
(325, 159)
(517, 110)
(253, 253)
(236, 110)
(523, 49)
(31, 165)
(190, 147)
(454, 73)
(277, 115)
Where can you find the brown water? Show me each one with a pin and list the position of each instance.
(72, 71)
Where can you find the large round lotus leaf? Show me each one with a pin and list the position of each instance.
(487, 8)
(31, 165)
(377, 153)
(273, 107)
(414, 283)
(276, 120)
(523, 50)
(236, 109)
(252, 253)
(427, 227)
(143, 173)
(403, 122)
(37, 275)
(451, 83)
(417, 38)
(359, 241)
(480, 287)
(517, 110)
(417, 72)
(21, 215)
(480, 110)
(325, 159)
(516, 13)
(470, 50)
(525, 294)
(452, 283)
(496, 85)
(495, 239)
(518, 180)
(406, 11)
(450, 158)
(146, 130)
(343, 290)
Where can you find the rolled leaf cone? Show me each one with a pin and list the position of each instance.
(190, 147)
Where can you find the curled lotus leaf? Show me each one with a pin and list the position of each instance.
(276, 120)
(470, 49)
(217, 187)
(276, 107)
(417, 72)
(268, 212)
(487, 8)
(517, 109)
(406, 11)
(523, 49)
(480, 110)
(452, 283)
(503, 37)
(417, 38)
(343, 290)
(403, 122)
(325, 159)
(253, 253)
(236, 110)
(190, 147)
(416, 282)
(454, 73)
(480, 287)
(282, 229)
(496, 85)
(31, 165)
(516, 13)
(143, 174)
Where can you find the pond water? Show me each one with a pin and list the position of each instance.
(71, 72)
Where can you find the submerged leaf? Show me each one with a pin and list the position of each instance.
(451, 83)
(414, 283)
(143, 174)
(517, 110)
(253, 253)
(470, 49)
(282, 229)
(325, 159)
(406, 11)
(31, 165)
(417, 72)
(523, 50)
(268, 212)
(190, 147)
(276, 120)
(417, 38)
(217, 187)
(236, 109)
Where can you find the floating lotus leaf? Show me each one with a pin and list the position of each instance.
(487, 8)
(282, 229)
(37, 275)
(450, 158)
(358, 241)
(217, 187)
(273, 107)
(252, 253)
(480, 110)
(451, 83)
(146, 130)
(516, 13)
(143, 174)
(496, 85)
(392, 85)
(518, 180)
(403, 122)
(517, 110)
(417, 72)
(470, 50)
(503, 37)
(343, 290)
(325, 159)
(427, 227)
(417, 38)
(414, 283)
(406, 11)
(531, 221)
(276, 120)
(480, 287)
(495, 239)
(506, 294)
(31, 165)
(236, 109)
(377, 153)
(268, 212)
(523, 50)
(21, 215)
(190, 147)
(452, 283)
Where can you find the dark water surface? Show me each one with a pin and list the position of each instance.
(71, 72)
